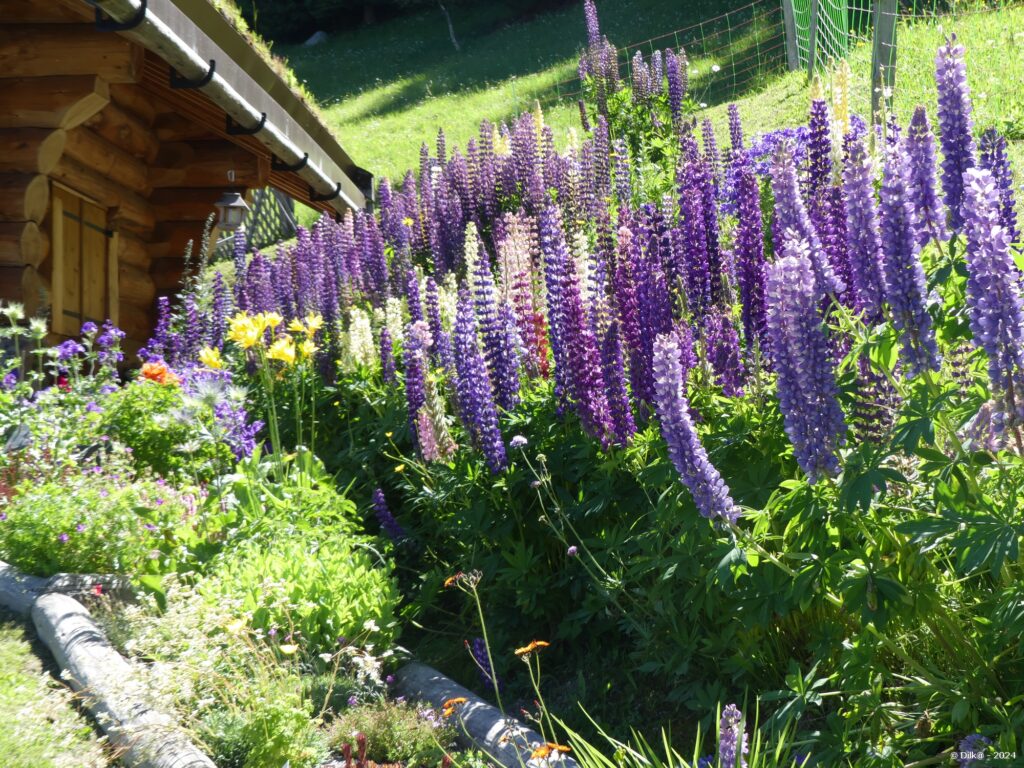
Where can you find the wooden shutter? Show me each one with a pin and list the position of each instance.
(84, 263)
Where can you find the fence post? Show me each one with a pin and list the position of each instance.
(789, 25)
(812, 40)
(883, 54)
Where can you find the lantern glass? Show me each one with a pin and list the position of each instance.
(231, 209)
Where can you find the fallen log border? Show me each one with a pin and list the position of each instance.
(110, 690)
(483, 726)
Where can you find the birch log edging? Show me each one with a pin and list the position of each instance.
(482, 725)
(111, 691)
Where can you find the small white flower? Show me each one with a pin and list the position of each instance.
(715, 68)
(703, 104)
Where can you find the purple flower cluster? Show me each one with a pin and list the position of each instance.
(476, 395)
(710, 493)
(905, 287)
(732, 739)
(802, 361)
(955, 126)
(994, 297)
(387, 521)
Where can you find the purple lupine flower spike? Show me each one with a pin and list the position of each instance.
(922, 180)
(586, 383)
(792, 222)
(749, 251)
(955, 126)
(417, 340)
(723, 349)
(995, 160)
(735, 129)
(863, 243)
(905, 285)
(387, 356)
(709, 491)
(502, 360)
(476, 396)
(614, 372)
(483, 664)
(387, 521)
(732, 739)
(442, 340)
(802, 360)
(994, 297)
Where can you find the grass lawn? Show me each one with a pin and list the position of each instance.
(42, 728)
(995, 70)
(387, 88)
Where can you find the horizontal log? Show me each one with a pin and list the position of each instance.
(132, 250)
(204, 164)
(94, 151)
(130, 209)
(23, 242)
(135, 100)
(24, 197)
(52, 102)
(184, 204)
(167, 273)
(111, 689)
(171, 238)
(174, 126)
(126, 131)
(25, 285)
(44, 50)
(135, 321)
(27, 12)
(31, 150)
(135, 286)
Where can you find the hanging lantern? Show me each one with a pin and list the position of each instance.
(231, 208)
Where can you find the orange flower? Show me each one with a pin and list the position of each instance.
(450, 581)
(448, 708)
(540, 752)
(159, 372)
(533, 646)
(558, 747)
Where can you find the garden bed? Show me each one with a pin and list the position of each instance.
(726, 444)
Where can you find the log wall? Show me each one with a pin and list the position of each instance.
(92, 113)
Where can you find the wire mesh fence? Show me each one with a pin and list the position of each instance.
(270, 220)
(728, 55)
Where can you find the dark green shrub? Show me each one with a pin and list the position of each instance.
(166, 433)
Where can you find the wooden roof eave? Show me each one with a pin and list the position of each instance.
(163, 28)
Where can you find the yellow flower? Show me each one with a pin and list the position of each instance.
(244, 331)
(407, 221)
(272, 319)
(289, 649)
(283, 349)
(314, 323)
(533, 646)
(307, 348)
(296, 326)
(210, 357)
(400, 468)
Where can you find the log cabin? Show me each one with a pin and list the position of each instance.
(122, 122)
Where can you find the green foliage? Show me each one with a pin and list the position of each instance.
(92, 523)
(313, 592)
(395, 732)
(167, 432)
